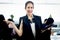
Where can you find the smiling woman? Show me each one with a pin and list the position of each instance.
(41, 8)
(29, 29)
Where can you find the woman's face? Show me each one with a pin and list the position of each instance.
(29, 8)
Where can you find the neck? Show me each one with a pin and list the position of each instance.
(30, 17)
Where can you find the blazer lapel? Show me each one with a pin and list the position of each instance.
(28, 23)
(34, 20)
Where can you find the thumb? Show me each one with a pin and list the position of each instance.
(22, 21)
(21, 25)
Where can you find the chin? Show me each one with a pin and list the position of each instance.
(30, 13)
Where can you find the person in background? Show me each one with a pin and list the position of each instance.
(4, 30)
(13, 34)
(46, 29)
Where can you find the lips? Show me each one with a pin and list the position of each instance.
(30, 11)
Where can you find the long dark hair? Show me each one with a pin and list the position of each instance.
(1, 18)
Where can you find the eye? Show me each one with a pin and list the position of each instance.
(28, 7)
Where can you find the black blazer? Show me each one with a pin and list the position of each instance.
(27, 32)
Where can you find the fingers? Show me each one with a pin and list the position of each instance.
(9, 22)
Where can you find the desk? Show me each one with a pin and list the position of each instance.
(55, 37)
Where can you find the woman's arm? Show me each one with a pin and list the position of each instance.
(18, 31)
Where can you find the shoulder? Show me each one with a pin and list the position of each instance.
(38, 17)
(22, 17)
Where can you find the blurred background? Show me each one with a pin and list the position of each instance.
(43, 8)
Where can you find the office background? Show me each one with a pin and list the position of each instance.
(43, 8)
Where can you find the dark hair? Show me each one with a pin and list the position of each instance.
(2, 17)
(28, 3)
(50, 21)
(45, 20)
(10, 20)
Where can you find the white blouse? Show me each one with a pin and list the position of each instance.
(33, 28)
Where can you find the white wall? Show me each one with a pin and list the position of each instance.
(43, 8)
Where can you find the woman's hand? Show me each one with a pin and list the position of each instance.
(18, 31)
(10, 23)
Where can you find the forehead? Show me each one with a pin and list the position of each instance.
(30, 5)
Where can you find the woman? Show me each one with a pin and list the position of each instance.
(29, 25)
